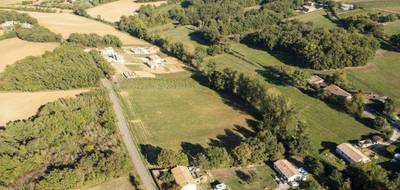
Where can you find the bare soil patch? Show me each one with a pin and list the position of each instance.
(66, 23)
(113, 11)
(15, 49)
(22, 105)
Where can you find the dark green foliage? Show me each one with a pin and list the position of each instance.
(218, 157)
(169, 158)
(80, 12)
(37, 34)
(94, 40)
(300, 143)
(66, 67)
(69, 143)
(380, 123)
(355, 106)
(363, 24)
(15, 16)
(395, 40)
(317, 48)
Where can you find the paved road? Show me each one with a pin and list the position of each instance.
(133, 151)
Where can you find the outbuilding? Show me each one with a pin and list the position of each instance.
(351, 154)
(184, 178)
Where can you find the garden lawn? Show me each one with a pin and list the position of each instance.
(326, 124)
(170, 110)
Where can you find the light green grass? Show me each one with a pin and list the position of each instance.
(318, 18)
(171, 110)
(263, 178)
(392, 28)
(381, 75)
(182, 34)
(326, 124)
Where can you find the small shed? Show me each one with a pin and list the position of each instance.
(346, 7)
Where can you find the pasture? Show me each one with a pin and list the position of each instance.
(336, 127)
(22, 105)
(15, 49)
(113, 11)
(318, 18)
(66, 23)
(175, 109)
(185, 35)
(380, 76)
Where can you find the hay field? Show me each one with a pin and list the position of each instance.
(65, 24)
(22, 105)
(15, 49)
(113, 11)
(121, 183)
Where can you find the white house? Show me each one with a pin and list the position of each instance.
(351, 154)
(184, 178)
(346, 7)
(287, 170)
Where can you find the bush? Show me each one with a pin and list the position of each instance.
(94, 40)
(169, 158)
(37, 34)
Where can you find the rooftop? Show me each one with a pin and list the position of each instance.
(353, 153)
(286, 168)
(337, 91)
(182, 175)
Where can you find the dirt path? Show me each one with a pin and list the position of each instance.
(22, 105)
(133, 151)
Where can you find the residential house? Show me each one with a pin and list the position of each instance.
(287, 170)
(184, 178)
(346, 7)
(341, 95)
(351, 154)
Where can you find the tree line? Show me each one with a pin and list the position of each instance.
(68, 144)
(94, 40)
(67, 67)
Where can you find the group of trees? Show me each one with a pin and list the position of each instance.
(95, 40)
(363, 24)
(66, 67)
(15, 16)
(68, 144)
(316, 48)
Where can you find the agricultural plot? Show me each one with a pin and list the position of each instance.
(336, 127)
(381, 75)
(15, 49)
(392, 28)
(318, 18)
(175, 109)
(22, 105)
(113, 11)
(65, 24)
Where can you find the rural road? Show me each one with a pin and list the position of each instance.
(133, 151)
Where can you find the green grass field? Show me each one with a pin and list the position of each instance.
(392, 28)
(382, 75)
(326, 123)
(182, 34)
(174, 109)
(317, 18)
(262, 178)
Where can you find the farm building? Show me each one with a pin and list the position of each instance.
(184, 178)
(346, 7)
(287, 170)
(315, 80)
(111, 56)
(143, 51)
(351, 154)
(341, 94)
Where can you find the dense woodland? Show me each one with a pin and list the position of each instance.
(69, 143)
(66, 67)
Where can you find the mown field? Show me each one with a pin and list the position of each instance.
(113, 11)
(185, 35)
(22, 105)
(15, 49)
(171, 110)
(326, 124)
(66, 23)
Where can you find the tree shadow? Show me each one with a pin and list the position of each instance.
(192, 150)
(242, 175)
(326, 145)
(198, 37)
(150, 152)
(229, 140)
